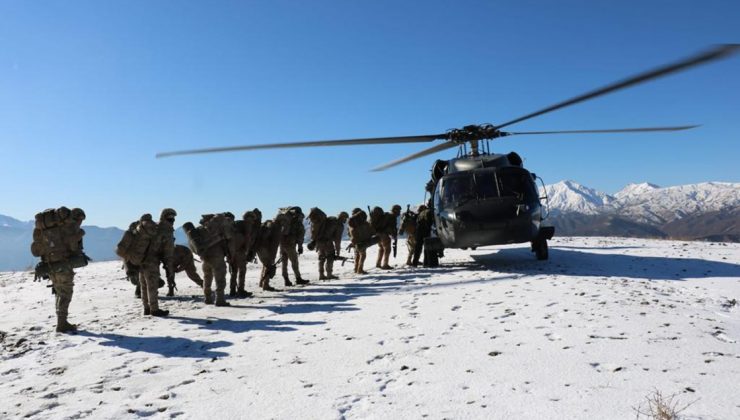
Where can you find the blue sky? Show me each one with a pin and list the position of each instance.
(90, 91)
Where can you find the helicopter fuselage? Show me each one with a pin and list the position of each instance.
(486, 200)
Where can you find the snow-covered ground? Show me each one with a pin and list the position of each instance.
(491, 334)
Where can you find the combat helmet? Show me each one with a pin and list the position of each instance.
(167, 214)
(77, 214)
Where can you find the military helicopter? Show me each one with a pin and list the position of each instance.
(482, 198)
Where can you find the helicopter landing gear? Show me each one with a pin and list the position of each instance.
(539, 247)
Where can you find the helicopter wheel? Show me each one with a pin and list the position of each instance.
(540, 249)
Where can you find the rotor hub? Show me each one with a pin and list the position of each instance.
(474, 132)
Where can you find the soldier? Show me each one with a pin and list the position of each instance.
(245, 239)
(408, 227)
(183, 260)
(167, 230)
(213, 242)
(360, 234)
(266, 248)
(131, 248)
(324, 233)
(160, 247)
(385, 227)
(57, 239)
(342, 218)
(291, 244)
(132, 271)
(425, 221)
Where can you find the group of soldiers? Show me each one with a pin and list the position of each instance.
(225, 244)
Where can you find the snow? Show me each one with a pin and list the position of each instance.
(491, 334)
(570, 196)
(632, 190)
(645, 202)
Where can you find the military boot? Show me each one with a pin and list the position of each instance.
(329, 273)
(241, 293)
(63, 326)
(208, 297)
(220, 299)
(301, 280)
(287, 281)
(160, 312)
(232, 292)
(137, 292)
(147, 311)
(321, 271)
(171, 291)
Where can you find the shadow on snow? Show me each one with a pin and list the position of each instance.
(241, 326)
(588, 264)
(164, 346)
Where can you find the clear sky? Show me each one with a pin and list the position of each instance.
(91, 90)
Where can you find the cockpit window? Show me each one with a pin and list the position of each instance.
(458, 189)
(506, 183)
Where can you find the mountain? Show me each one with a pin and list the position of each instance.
(633, 190)
(705, 211)
(572, 197)
(16, 237)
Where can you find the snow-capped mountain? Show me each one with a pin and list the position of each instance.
(633, 190)
(708, 209)
(572, 197)
(663, 205)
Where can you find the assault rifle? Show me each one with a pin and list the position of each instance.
(342, 259)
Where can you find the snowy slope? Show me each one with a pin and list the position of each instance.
(492, 334)
(634, 190)
(570, 196)
(661, 205)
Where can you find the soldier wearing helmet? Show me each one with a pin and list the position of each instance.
(291, 243)
(167, 233)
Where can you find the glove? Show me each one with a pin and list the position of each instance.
(300, 249)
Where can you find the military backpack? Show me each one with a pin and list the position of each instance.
(56, 236)
(216, 229)
(135, 243)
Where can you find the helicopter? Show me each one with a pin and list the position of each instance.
(481, 198)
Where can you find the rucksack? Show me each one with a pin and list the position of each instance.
(135, 243)
(214, 231)
(56, 237)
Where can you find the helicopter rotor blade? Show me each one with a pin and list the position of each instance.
(434, 149)
(715, 53)
(319, 143)
(611, 130)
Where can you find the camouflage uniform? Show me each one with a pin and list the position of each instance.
(266, 248)
(360, 234)
(238, 261)
(133, 270)
(167, 230)
(291, 240)
(214, 267)
(342, 218)
(326, 233)
(408, 228)
(183, 261)
(425, 221)
(62, 278)
(161, 248)
(245, 237)
(385, 227)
